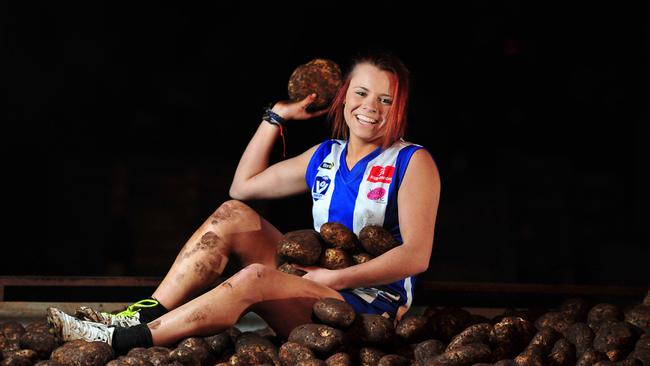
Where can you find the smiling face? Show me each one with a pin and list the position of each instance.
(367, 102)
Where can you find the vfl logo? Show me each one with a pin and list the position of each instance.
(381, 174)
(327, 165)
(321, 184)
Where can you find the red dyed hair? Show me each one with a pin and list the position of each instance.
(396, 117)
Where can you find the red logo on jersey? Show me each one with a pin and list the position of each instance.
(381, 174)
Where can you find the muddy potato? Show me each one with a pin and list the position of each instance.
(199, 347)
(129, 361)
(371, 329)
(448, 322)
(82, 353)
(334, 312)
(311, 362)
(510, 336)
(320, 76)
(369, 356)
(320, 338)
(291, 352)
(428, 349)
(641, 355)
(158, 355)
(563, 353)
(393, 360)
(575, 309)
(555, 320)
(7, 344)
(530, 357)
(339, 359)
(601, 313)
(14, 360)
(37, 327)
(581, 336)
(505, 362)
(335, 258)
(397, 347)
(414, 329)
(339, 236)
(628, 362)
(18, 357)
(376, 240)
(48, 363)
(140, 352)
(643, 343)
(218, 343)
(289, 268)
(12, 330)
(256, 349)
(615, 339)
(639, 316)
(362, 257)
(300, 246)
(41, 342)
(464, 355)
(478, 333)
(185, 356)
(590, 357)
(544, 339)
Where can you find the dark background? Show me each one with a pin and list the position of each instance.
(133, 118)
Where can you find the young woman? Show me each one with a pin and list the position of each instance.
(370, 176)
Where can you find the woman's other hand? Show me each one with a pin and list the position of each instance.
(321, 275)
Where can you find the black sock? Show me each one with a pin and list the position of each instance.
(126, 338)
(149, 314)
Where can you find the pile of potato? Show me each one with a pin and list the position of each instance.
(573, 334)
(335, 247)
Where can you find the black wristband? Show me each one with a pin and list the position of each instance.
(272, 117)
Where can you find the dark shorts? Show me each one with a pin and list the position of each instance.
(377, 306)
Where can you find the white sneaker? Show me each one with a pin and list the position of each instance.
(92, 315)
(68, 328)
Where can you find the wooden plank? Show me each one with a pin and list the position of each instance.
(75, 281)
(528, 288)
(79, 281)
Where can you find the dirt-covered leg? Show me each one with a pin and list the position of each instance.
(234, 228)
(283, 300)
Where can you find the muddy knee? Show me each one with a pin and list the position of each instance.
(253, 275)
(231, 211)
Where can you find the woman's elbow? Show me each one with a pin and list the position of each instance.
(236, 193)
(420, 268)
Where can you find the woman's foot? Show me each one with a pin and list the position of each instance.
(68, 328)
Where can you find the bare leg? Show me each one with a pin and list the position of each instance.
(283, 300)
(234, 228)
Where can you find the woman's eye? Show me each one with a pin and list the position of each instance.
(363, 94)
(386, 101)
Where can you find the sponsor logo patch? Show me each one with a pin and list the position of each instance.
(321, 184)
(381, 174)
(327, 165)
(376, 194)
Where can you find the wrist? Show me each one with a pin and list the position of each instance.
(279, 110)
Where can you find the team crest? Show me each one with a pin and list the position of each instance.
(321, 184)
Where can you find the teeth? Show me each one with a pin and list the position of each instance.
(365, 119)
